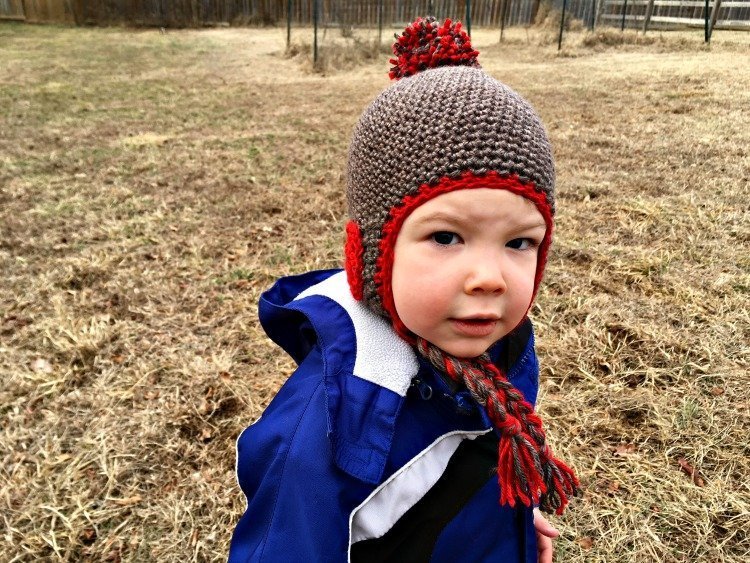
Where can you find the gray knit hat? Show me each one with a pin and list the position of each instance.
(442, 129)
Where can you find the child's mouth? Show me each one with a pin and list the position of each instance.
(475, 327)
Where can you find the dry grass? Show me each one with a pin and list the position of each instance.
(153, 185)
(338, 54)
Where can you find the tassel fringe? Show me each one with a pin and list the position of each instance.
(527, 471)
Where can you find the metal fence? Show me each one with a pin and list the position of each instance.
(486, 13)
(671, 14)
(188, 13)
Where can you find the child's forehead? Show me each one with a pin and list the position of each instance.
(477, 205)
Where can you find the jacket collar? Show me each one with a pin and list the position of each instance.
(367, 368)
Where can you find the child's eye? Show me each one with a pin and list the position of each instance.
(446, 238)
(521, 243)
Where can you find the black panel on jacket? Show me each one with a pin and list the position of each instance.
(413, 537)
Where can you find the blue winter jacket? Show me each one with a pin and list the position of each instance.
(366, 453)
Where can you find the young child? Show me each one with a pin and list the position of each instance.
(407, 432)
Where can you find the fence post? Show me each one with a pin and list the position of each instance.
(705, 24)
(468, 17)
(315, 32)
(714, 16)
(288, 23)
(562, 24)
(503, 7)
(380, 22)
(649, 13)
(624, 9)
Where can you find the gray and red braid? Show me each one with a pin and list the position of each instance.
(446, 125)
(526, 469)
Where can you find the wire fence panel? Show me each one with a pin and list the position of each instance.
(671, 14)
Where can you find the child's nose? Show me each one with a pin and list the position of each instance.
(485, 275)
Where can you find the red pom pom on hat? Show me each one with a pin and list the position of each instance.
(426, 44)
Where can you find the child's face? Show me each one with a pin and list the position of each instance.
(464, 267)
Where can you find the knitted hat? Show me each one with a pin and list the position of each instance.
(440, 130)
(445, 125)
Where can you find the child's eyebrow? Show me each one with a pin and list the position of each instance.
(533, 224)
(441, 216)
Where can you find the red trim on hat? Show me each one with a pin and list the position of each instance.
(354, 262)
(426, 192)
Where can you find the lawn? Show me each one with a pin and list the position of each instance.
(152, 185)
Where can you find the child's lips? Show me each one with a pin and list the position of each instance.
(475, 326)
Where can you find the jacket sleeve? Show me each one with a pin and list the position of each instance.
(298, 501)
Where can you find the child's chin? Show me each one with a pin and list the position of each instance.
(466, 349)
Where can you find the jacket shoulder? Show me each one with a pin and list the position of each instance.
(365, 367)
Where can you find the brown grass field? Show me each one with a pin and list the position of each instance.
(152, 185)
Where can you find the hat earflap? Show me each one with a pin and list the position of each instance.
(354, 259)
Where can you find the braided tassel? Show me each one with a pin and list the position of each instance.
(526, 469)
